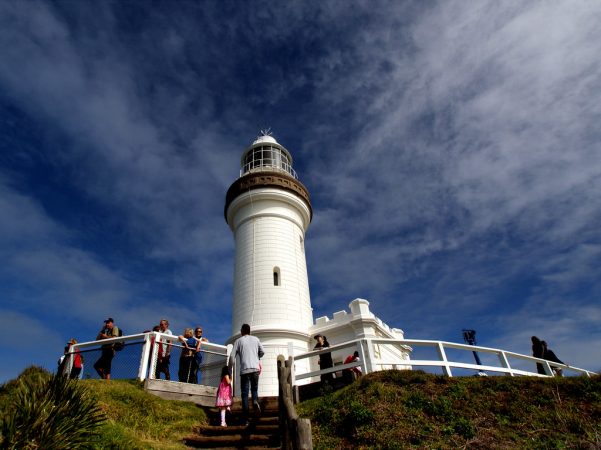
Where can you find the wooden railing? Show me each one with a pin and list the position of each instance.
(294, 431)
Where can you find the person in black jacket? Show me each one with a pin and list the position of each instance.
(325, 359)
(538, 351)
(549, 355)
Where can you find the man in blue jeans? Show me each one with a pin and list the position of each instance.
(249, 350)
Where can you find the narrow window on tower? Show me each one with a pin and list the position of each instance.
(302, 247)
(276, 276)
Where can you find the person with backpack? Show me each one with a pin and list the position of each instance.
(104, 363)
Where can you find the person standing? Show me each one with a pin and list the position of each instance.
(164, 352)
(104, 363)
(249, 351)
(77, 360)
(538, 351)
(186, 372)
(198, 355)
(325, 359)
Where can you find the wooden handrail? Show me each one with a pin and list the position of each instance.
(295, 432)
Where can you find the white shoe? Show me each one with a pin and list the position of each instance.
(223, 424)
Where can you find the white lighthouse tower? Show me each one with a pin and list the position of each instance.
(269, 211)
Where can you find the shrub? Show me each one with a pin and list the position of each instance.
(49, 412)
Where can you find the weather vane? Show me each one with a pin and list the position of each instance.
(266, 132)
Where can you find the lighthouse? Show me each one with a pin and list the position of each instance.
(269, 211)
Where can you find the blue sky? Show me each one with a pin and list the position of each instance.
(452, 151)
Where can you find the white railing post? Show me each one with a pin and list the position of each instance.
(368, 355)
(228, 355)
(362, 357)
(505, 362)
(154, 355)
(146, 351)
(443, 357)
(548, 370)
(68, 367)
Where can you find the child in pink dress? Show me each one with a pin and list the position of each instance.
(224, 394)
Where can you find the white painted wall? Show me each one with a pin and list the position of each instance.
(269, 230)
(360, 322)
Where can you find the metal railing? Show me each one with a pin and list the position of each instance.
(268, 165)
(370, 359)
(139, 355)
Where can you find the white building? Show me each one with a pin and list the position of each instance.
(269, 210)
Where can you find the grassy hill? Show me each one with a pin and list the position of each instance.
(406, 410)
(386, 410)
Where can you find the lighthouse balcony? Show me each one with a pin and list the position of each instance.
(269, 168)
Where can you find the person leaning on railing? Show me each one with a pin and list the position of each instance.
(186, 373)
(77, 360)
(198, 339)
(325, 359)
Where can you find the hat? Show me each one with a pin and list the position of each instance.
(110, 319)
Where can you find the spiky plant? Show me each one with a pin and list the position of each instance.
(49, 412)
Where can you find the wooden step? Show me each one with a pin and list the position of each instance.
(262, 432)
(233, 440)
(232, 428)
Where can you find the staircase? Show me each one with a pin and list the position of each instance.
(262, 433)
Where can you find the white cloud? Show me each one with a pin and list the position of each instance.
(451, 141)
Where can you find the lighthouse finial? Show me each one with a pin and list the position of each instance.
(266, 132)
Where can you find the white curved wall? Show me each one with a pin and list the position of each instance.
(269, 231)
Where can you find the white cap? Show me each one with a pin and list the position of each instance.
(262, 139)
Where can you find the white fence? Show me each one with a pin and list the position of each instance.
(138, 358)
(496, 362)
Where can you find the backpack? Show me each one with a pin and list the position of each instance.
(119, 345)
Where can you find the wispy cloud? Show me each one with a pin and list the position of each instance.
(451, 150)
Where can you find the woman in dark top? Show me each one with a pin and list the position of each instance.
(325, 359)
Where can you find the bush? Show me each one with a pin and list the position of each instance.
(49, 412)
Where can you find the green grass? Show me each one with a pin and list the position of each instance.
(132, 418)
(415, 410)
(138, 420)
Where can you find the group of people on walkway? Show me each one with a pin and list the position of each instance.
(190, 358)
(189, 342)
